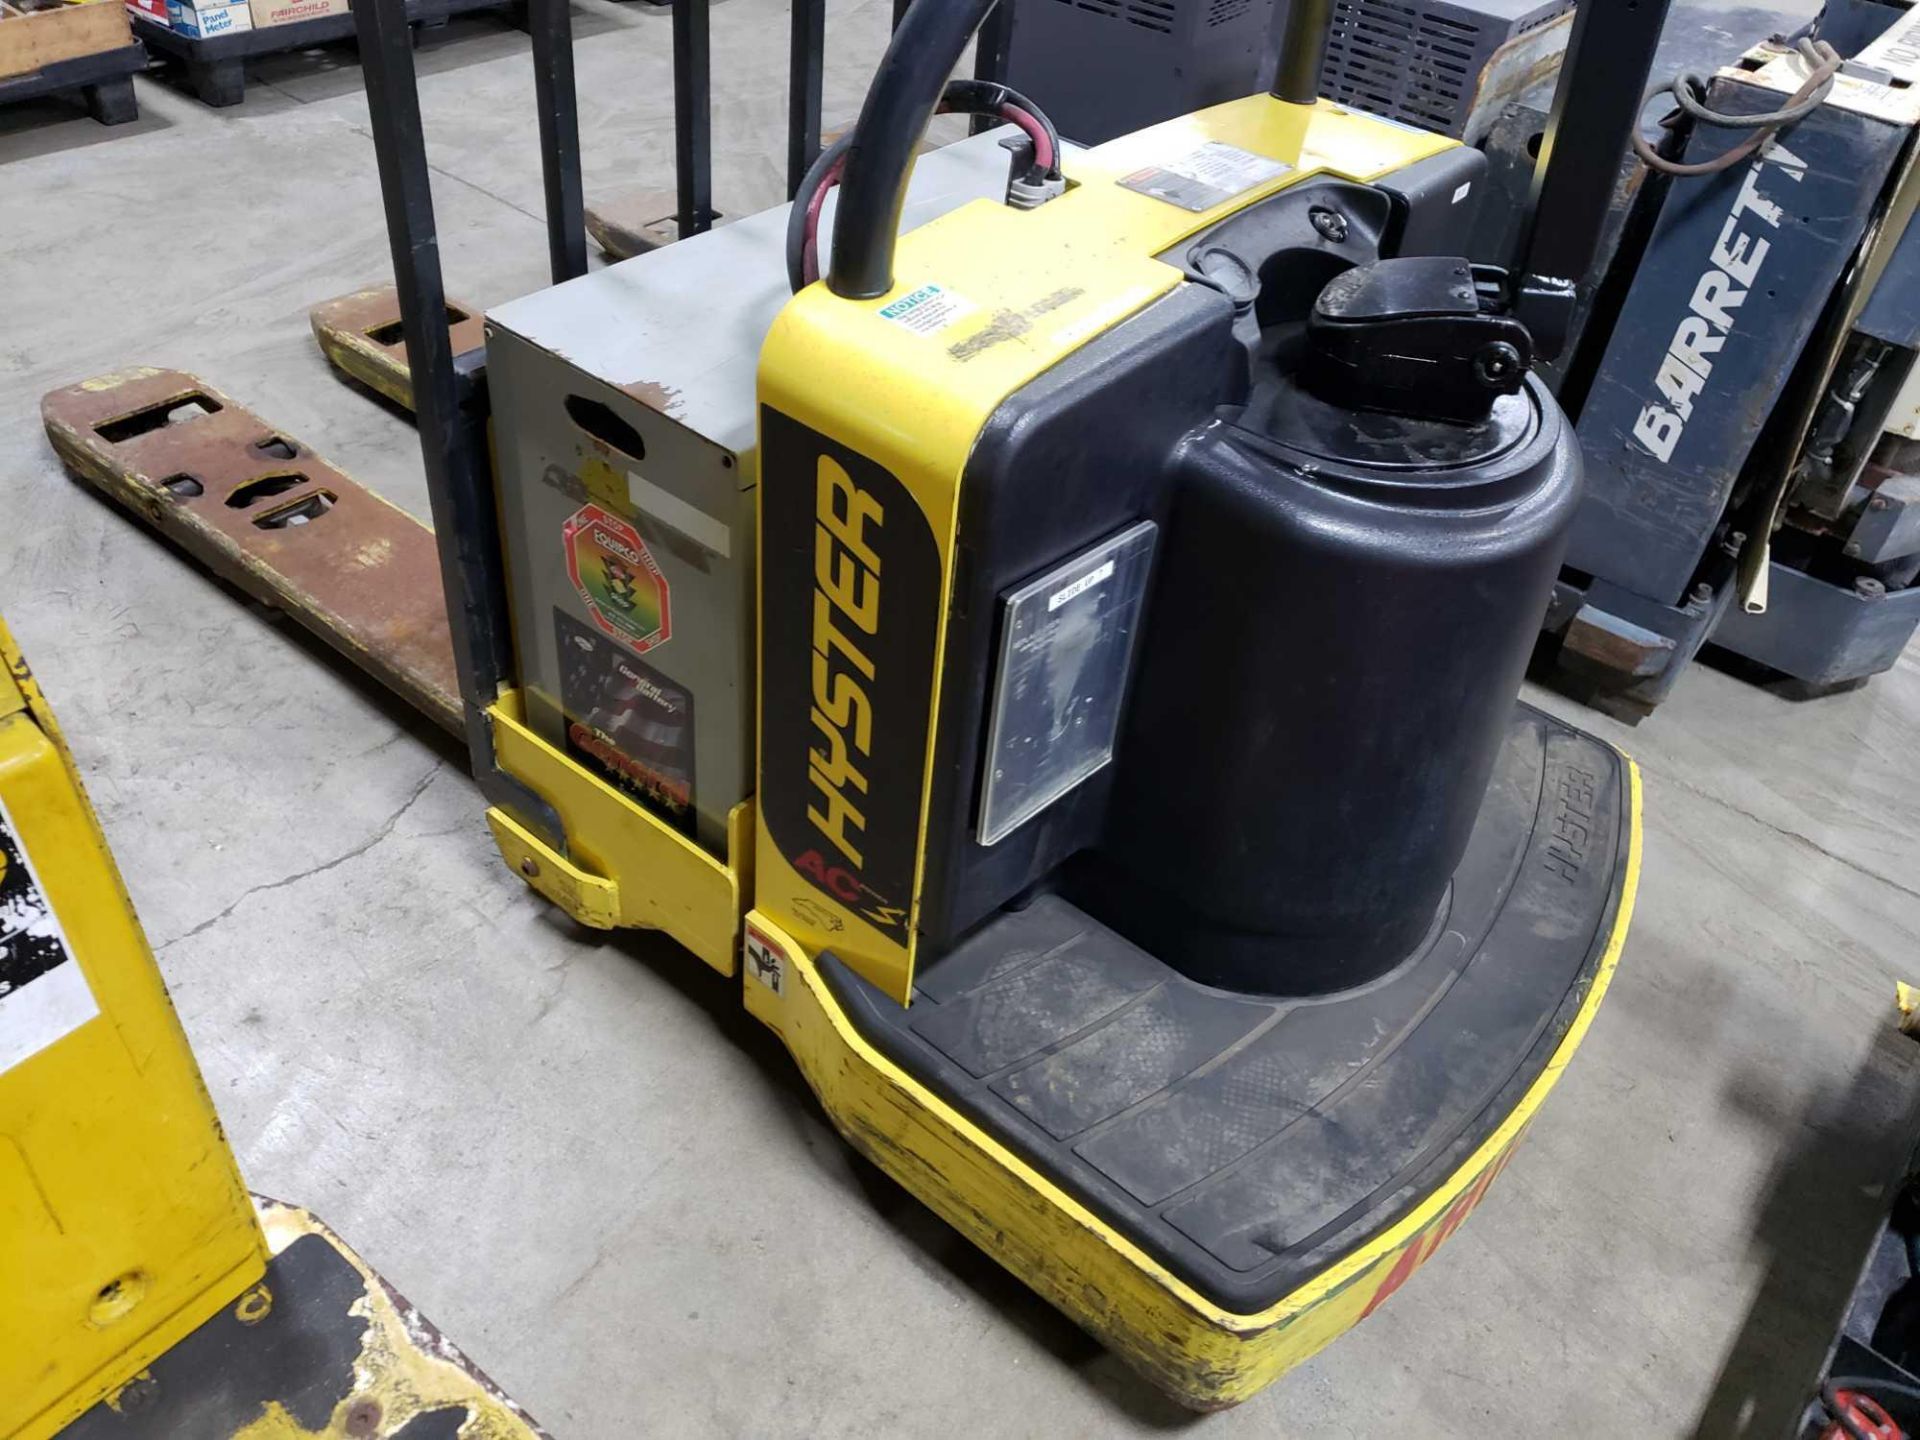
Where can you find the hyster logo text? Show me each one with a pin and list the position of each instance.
(846, 672)
(1702, 334)
(846, 613)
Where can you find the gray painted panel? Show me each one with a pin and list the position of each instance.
(1646, 519)
(1820, 633)
(669, 343)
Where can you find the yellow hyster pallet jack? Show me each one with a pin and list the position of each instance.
(143, 1294)
(1064, 662)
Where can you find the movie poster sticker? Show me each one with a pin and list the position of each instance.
(43, 994)
(618, 579)
(626, 722)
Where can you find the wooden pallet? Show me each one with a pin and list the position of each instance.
(33, 38)
(216, 65)
(85, 50)
(103, 82)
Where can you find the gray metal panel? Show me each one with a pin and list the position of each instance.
(669, 343)
(1892, 312)
(1432, 63)
(549, 470)
(1646, 519)
(1103, 68)
(1889, 524)
(1820, 633)
(681, 327)
(1444, 196)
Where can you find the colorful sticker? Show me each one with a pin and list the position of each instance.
(1205, 176)
(928, 310)
(43, 994)
(618, 579)
(626, 721)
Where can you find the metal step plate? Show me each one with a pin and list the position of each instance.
(321, 1346)
(360, 336)
(265, 513)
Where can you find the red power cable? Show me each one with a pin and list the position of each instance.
(1044, 161)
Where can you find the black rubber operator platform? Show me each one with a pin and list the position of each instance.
(1248, 1142)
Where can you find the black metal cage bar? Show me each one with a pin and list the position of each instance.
(550, 25)
(693, 116)
(805, 64)
(450, 407)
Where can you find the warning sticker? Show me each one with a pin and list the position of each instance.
(764, 963)
(43, 994)
(618, 578)
(626, 721)
(1205, 176)
(928, 310)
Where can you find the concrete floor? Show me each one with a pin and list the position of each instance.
(575, 1153)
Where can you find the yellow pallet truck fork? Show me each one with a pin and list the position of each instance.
(1046, 623)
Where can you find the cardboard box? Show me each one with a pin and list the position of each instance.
(206, 21)
(285, 12)
(154, 10)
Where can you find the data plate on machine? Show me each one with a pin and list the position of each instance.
(1205, 176)
(1066, 646)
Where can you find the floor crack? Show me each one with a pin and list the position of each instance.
(386, 829)
(1794, 835)
(470, 184)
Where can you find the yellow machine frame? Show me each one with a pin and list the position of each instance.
(124, 1219)
(915, 408)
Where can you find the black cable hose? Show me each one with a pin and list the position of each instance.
(1824, 64)
(797, 215)
(1689, 85)
(962, 97)
(912, 76)
(1830, 1398)
(987, 97)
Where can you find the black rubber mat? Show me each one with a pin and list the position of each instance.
(1248, 1142)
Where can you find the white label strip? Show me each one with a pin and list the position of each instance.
(1898, 50)
(1079, 587)
(689, 520)
(36, 1015)
(43, 994)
